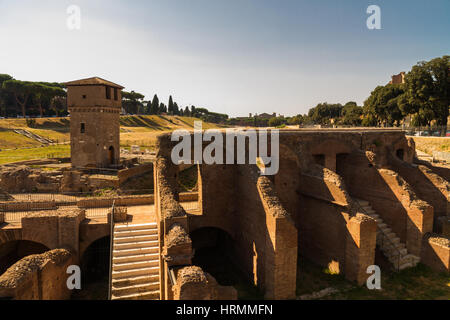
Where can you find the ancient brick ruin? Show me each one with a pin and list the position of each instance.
(338, 197)
(337, 193)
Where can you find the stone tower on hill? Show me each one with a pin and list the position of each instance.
(94, 105)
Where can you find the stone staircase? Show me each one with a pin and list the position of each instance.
(135, 268)
(389, 242)
(33, 136)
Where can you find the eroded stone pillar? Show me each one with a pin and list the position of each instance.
(360, 247)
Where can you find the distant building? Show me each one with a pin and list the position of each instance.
(263, 115)
(398, 78)
(94, 105)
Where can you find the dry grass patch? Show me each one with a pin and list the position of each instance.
(430, 144)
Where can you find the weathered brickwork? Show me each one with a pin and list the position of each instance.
(309, 208)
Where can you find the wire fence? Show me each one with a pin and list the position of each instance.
(432, 131)
(71, 197)
(23, 205)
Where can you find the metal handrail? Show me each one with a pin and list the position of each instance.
(111, 250)
(399, 254)
(171, 275)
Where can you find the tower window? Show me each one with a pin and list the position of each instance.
(319, 159)
(82, 128)
(84, 96)
(108, 93)
(116, 96)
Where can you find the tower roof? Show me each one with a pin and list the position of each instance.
(93, 81)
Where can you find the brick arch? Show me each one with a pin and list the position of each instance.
(10, 235)
(408, 147)
(91, 236)
(214, 224)
(221, 233)
(289, 152)
(330, 149)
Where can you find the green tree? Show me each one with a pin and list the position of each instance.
(132, 102)
(324, 112)
(275, 122)
(21, 90)
(170, 108)
(427, 88)
(154, 108)
(383, 105)
(176, 110)
(3, 93)
(351, 114)
(162, 108)
(45, 92)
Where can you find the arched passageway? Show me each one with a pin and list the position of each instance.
(215, 253)
(95, 271)
(111, 156)
(13, 251)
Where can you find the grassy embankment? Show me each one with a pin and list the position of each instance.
(430, 144)
(418, 283)
(134, 130)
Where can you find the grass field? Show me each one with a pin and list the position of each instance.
(55, 151)
(430, 144)
(419, 283)
(134, 130)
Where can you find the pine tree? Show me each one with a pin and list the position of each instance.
(171, 106)
(187, 112)
(176, 110)
(155, 105)
(162, 108)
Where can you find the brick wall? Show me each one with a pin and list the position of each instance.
(436, 253)
(126, 174)
(428, 186)
(195, 284)
(38, 277)
(54, 229)
(360, 247)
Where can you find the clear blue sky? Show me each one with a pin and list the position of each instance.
(231, 56)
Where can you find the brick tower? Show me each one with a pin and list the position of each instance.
(94, 105)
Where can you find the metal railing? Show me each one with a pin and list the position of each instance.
(74, 196)
(383, 237)
(190, 206)
(171, 275)
(91, 213)
(111, 244)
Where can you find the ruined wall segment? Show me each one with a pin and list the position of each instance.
(55, 229)
(436, 252)
(360, 247)
(390, 196)
(38, 277)
(281, 245)
(428, 186)
(307, 209)
(195, 284)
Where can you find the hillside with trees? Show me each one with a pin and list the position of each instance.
(43, 99)
(425, 97)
